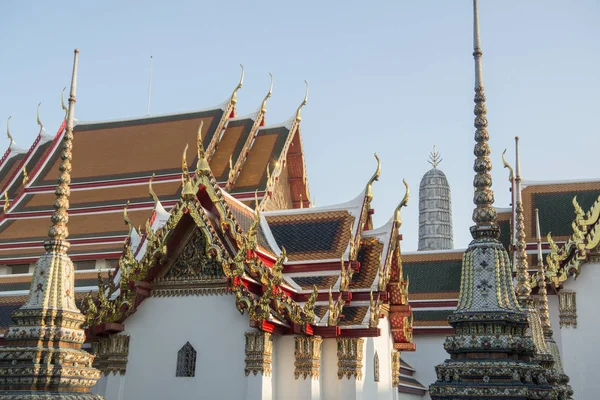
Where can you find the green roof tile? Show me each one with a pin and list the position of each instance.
(433, 276)
(557, 211)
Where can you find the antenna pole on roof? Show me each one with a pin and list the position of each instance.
(149, 87)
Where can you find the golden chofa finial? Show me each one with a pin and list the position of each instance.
(10, 138)
(403, 203)
(507, 165)
(263, 107)
(434, 158)
(6, 203)
(202, 164)
(151, 191)
(126, 217)
(62, 100)
(188, 188)
(375, 177)
(238, 87)
(298, 111)
(39, 122)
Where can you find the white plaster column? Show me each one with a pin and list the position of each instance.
(350, 367)
(259, 350)
(330, 384)
(307, 364)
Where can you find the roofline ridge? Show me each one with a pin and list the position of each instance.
(354, 203)
(525, 183)
(220, 106)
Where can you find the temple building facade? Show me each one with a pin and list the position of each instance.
(207, 266)
(200, 261)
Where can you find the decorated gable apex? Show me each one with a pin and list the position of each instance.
(211, 243)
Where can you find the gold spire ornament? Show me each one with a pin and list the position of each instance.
(298, 117)
(49, 324)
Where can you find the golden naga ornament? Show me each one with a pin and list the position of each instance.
(345, 276)
(374, 310)
(6, 202)
(335, 309)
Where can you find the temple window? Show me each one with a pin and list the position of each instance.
(186, 361)
(376, 366)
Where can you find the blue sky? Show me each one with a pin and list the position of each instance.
(392, 77)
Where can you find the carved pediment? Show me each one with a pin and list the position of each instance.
(196, 270)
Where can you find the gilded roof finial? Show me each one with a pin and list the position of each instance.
(434, 158)
(126, 217)
(62, 101)
(39, 122)
(151, 191)
(10, 138)
(298, 116)
(202, 163)
(523, 288)
(375, 177)
(263, 107)
(238, 87)
(188, 188)
(403, 203)
(58, 231)
(301, 202)
(542, 290)
(6, 203)
(507, 165)
(484, 214)
(25, 176)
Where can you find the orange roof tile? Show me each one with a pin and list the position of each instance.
(114, 150)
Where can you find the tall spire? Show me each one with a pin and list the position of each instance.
(523, 288)
(491, 354)
(484, 214)
(60, 217)
(49, 323)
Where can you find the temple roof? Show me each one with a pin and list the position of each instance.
(114, 160)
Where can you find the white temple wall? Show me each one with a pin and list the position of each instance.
(581, 345)
(383, 345)
(430, 352)
(161, 326)
(330, 384)
(555, 320)
(286, 385)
